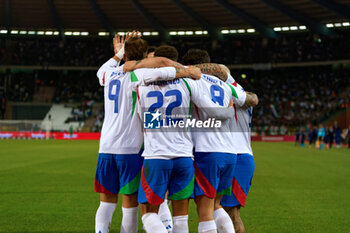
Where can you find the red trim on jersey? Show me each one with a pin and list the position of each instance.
(238, 192)
(103, 79)
(234, 83)
(205, 185)
(137, 93)
(100, 189)
(152, 197)
(234, 106)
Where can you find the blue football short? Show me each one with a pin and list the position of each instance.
(241, 182)
(160, 175)
(214, 172)
(118, 173)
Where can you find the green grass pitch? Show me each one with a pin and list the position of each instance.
(47, 186)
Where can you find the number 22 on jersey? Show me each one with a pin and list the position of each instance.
(160, 100)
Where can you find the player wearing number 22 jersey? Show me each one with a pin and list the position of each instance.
(168, 159)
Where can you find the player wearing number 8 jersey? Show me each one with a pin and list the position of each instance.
(119, 163)
(215, 156)
(214, 160)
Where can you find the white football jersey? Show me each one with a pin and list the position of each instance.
(172, 136)
(217, 139)
(122, 131)
(241, 132)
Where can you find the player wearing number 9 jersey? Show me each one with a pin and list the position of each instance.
(168, 155)
(119, 163)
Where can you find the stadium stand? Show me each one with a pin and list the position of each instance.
(58, 115)
(246, 50)
(302, 63)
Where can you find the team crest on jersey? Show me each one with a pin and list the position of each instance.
(151, 120)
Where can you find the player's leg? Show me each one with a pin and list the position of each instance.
(180, 190)
(107, 184)
(240, 187)
(155, 176)
(205, 211)
(150, 218)
(165, 214)
(104, 214)
(321, 143)
(207, 181)
(180, 216)
(129, 168)
(337, 141)
(130, 213)
(234, 213)
(222, 218)
(227, 168)
(330, 142)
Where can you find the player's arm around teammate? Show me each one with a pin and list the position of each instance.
(157, 62)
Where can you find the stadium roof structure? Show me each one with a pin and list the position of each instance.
(173, 17)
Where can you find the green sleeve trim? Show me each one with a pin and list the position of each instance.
(132, 186)
(188, 86)
(134, 100)
(184, 193)
(234, 93)
(133, 77)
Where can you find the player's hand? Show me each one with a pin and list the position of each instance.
(118, 43)
(133, 34)
(129, 66)
(194, 72)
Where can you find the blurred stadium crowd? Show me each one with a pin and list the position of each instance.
(93, 52)
(289, 97)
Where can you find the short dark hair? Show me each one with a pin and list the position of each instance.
(135, 49)
(195, 56)
(151, 49)
(167, 51)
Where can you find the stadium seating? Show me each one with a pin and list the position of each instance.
(241, 50)
(59, 114)
(292, 100)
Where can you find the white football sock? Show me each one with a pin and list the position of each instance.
(104, 217)
(207, 227)
(165, 215)
(129, 221)
(223, 221)
(152, 223)
(180, 224)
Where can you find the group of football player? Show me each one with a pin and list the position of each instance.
(151, 165)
